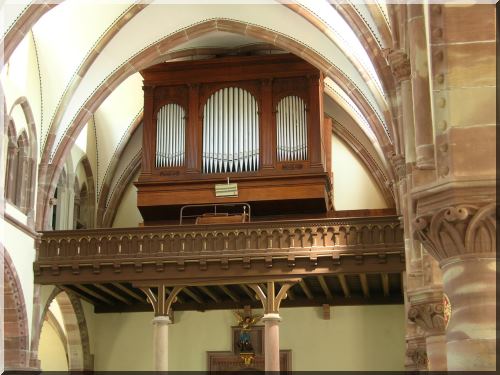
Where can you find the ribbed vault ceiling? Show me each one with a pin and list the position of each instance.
(88, 55)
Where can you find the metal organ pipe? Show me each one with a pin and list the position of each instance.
(291, 127)
(170, 136)
(230, 132)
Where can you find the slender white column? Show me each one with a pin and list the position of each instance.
(272, 345)
(160, 342)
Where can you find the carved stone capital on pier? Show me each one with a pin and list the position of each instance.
(416, 354)
(427, 310)
(458, 230)
(400, 64)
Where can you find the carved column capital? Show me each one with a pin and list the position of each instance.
(400, 64)
(416, 353)
(427, 310)
(399, 164)
(458, 230)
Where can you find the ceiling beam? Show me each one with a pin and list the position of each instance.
(306, 289)
(231, 295)
(131, 293)
(193, 295)
(113, 294)
(324, 286)
(385, 283)
(78, 294)
(248, 292)
(230, 305)
(364, 284)
(343, 284)
(94, 294)
(209, 293)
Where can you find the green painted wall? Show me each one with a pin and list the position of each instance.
(355, 338)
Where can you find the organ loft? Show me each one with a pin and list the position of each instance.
(254, 123)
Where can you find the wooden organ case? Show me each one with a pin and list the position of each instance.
(257, 120)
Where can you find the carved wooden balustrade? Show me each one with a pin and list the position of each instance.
(192, 254)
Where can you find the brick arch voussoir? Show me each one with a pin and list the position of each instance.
(154, 54)
(15, 326)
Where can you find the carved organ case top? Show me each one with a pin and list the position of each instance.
(257, 120)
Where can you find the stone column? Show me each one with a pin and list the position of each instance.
(427, 311)
(463, 238)
(160, 342)
(271, 303)
(272, 341)
(470, 284)
(161, 300)
(424, 137)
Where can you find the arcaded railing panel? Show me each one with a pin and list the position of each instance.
(258, 237)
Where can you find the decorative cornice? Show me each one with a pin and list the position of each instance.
(458, 230)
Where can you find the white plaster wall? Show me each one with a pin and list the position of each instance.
(127, 214)
(51, 353)
(355, 338)
(353, 186)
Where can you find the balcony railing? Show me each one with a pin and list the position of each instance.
(238, 239)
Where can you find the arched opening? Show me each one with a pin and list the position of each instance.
(64, 340)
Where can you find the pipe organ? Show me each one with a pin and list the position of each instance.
(291, 128)
(230, 132)
(255, 120)
(170, 134)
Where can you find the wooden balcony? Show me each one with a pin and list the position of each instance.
(108, 266)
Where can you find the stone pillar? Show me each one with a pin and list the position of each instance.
(427, 311)
(160, 342)
(470, 284)
(272, 341)
(463, 238)
(161, 300)
(271, 303)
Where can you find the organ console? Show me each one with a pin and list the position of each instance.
(257, 120)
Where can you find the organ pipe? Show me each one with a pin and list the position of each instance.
(170, 136)
(291, 128)
(230, 132)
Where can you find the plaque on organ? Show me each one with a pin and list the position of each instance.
(257, 120)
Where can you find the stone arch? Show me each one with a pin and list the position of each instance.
(158, 52)
(76, 331)
(15, 325)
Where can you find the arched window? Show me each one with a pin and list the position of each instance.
(291, 128)
(11, 168)
(230, 132)
(23, 180)
(83, 214)
(170, 136)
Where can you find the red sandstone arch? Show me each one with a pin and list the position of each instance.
(156, 53)
(15, 325)
(77, 336)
